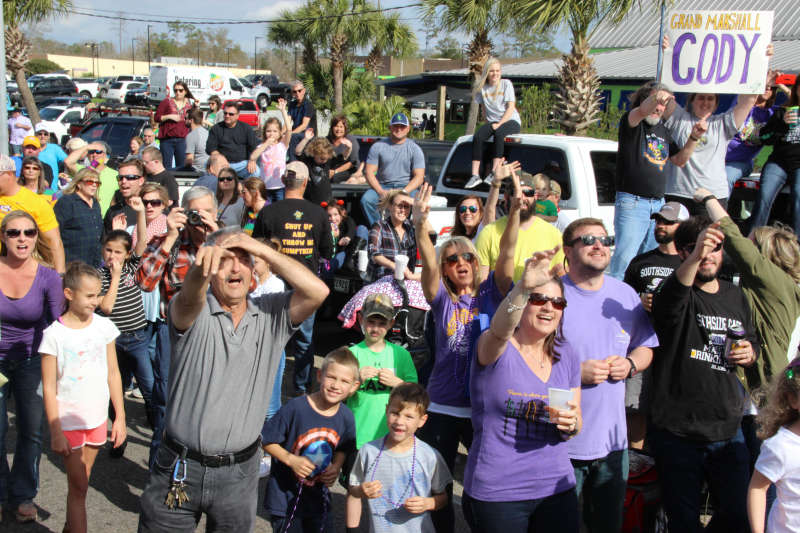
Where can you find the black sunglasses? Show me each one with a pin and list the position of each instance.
(463, 209)
(225, 178)
(14, 233)
(469, 257)
(690, 247)
(95, 152)
(128, 177)
(589, 240)
(154, 203)
(231, 114)
(537, 298)
(529, 193)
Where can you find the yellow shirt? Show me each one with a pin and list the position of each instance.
(36, 205)
(540, 236)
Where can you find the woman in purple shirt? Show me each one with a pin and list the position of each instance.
(31, 297)
(518, 475)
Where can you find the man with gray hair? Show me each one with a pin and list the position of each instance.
(303, 114)
(214, 164)
(149, 136)
(226, 352)
(164, 266)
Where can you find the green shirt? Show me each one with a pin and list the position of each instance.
(370, 400)
(108, 186)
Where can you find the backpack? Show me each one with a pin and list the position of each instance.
(643, 510)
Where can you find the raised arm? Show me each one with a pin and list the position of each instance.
(141, 225)
(287, 122)
(307, 136)
(708, 239)
(698, 130)
(504, 267)
(71, 162)
(427, 253)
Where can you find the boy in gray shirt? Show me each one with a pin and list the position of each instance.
(402, 477)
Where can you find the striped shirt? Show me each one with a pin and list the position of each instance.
(127, 313)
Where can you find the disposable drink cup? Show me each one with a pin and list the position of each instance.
(794, 108)
(559, 398)
(363, 259)
(400, 264)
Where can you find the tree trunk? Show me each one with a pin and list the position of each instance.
(474, 107)
(27, 97)
(479, 50)
(338, 81)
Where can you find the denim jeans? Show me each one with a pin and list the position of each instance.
(160, 386)
(603, 482)
(736, 170)
(133, 346)
(240, 167)
(275, 195)
(20, 484)
(683, 466)
(633, 229)
(302, 348)
(773, 178)
(228, 496)
(558, 512)
(370, 199)
(275, 400)
(443, 433)
(174, 147)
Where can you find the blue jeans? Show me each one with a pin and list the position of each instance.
(133, 346)
(633, 229)
(228, 496)
(603, 483)
(301, 347)
(558, 512)
(275, 400)
(773, 178)
(174, 147)
(683, 466)
(240, 167)
(370, 199)
(20, 484)
(160, 385)
(275, 195)
(736, 170)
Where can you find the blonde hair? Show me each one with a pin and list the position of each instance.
(485, 74)
(777, 411)
(461, 245)
(387, 201)
(778, 244)
(82, 174)
(41, 252)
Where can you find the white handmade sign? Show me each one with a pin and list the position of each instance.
(717, 51)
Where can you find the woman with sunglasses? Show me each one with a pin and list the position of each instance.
(79, 219)
(30, 299)
(469, 218)
(392, 236)
(230, 204)
(518, 475)
(32, 175)
(172, 116)
(457, 295)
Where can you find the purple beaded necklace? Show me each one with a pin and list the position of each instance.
(407, 490)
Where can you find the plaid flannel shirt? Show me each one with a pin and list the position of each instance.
(165, 269)
(383, 240)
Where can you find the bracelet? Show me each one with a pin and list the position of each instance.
(512, 308)
(695, 139)
(633, 369)
(707, 198)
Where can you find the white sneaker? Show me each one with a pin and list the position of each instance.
(135, 393)
(264, 467)
(473, 182)
(489, 179)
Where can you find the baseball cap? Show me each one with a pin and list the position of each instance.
(299, 168)
(76, 143)
(7, 164)
(31, 139)
(378, 304)
(41, 126)
(399, 119)
(672, 212)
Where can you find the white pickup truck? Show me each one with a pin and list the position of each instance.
(88, 88)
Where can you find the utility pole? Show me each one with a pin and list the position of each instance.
(133, 57)
(148, 49)
(228, 64)
(198, 53)
(255, 57)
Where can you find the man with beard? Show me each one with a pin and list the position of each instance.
(535, 235)
(645, 148)
(697, 401)
(645, 274)
(607, 327)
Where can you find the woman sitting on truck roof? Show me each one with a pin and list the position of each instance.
(172, 116)
(502, 118)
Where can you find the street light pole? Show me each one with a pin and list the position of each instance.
(198, 53)
(133, 57)
(228, 64)
(148, 49)
(255, 56)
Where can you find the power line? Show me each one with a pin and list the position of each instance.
(236, 22)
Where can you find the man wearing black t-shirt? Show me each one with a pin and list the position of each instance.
(645, 148)
(645, 273)
(304, 232)
(698, 401)
(153, 163)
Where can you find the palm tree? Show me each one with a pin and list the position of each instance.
(389, 36)
(480, 18)
(578, 100)
(290, 32)
(16, 13)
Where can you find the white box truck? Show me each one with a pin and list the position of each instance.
(202, 82)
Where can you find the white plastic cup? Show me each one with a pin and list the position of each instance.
(400, 264)
(559, 398)
(363, 260)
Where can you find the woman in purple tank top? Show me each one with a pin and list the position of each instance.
(518, 475)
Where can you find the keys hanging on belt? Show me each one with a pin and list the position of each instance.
(177, 488)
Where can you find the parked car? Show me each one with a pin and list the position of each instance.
(277, 89)
(137, 96)
(69, 101)
(117, 132)
(44, 87)
(87, 87)
(58, 118)
(248, 111)
(104, 84)
(259, 92)
(119, 89)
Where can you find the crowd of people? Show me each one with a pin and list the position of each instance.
(553, 360)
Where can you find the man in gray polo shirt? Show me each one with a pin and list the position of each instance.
(225, 354)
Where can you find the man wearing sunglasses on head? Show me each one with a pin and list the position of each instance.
(706, 332)
(153, 162)
(130, 179)
(95, 155)
(607, 327)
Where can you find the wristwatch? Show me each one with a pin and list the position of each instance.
(707, 198)
(633, 369)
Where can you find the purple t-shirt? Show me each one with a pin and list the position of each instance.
(597, 324)
(517, 453)
(745, 145)
(454, 322)
(22, 321)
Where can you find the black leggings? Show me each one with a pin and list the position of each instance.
(486, 131)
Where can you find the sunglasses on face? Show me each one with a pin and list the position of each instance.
(225, 178)
(90, 182)
(14, 233)
(537, 298)
(402, 205)
(464, 208)
(589, 240)
(528, 193)
(30, 168)
(230, 114)
(690, 247)
(128, 177)
(43, 134)
(94, 152)
(179, 90)
(469, 257)
(154, 203)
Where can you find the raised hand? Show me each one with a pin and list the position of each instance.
(136, 204)
(308, 134)
(537, 269)
(421, 207)
(708, 240)
(209, 259)
(282, 104)
(120, 221)
(176, 220)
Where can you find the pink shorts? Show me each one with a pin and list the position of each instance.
(78, 438)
